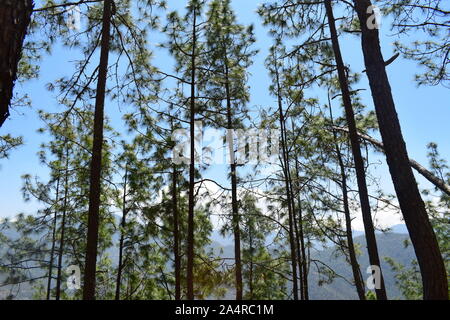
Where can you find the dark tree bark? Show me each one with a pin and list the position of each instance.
(298, 225)
(190, 244)
(176, 234)
(285, 167)
(123, 224)
(357, 277)
(15, 17)
(434, 277)
(234, 199)
(96, 162)
(251, 266)
(298, 247)
(356, 151)
(299, 229)
(52, 250)
(63, 226)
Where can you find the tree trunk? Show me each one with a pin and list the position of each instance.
(234, 200)
(426, 247)
(190, 244)
(176, 234)
(123, 223)
(61, 253)
(250, 271)
(63, 226)
(357, 277)
(297, 242)
(356, 151)
(52, 250)
(301, 235)
(299, 228)
(15, 17)
(284, 164)
(96, 163)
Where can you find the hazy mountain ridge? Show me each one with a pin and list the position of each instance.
(389, 244)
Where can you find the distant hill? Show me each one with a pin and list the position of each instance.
(389, 244)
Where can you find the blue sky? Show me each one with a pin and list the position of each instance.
(424, 112)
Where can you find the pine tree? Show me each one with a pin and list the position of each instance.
(357, 277)
(230, 53)
(416, 218)
(137, 184)
(188, 54)
(356, 149)
(96, 164)
(60, 223)
(263, 275)
(295, 256)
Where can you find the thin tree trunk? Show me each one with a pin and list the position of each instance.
(250, 281)
(15, 17)
(176, 234)
(301, 235)
(234, 199)
(297, 233)
(357, 277)
(63, 225)
(123, 223)
(284, 164)
(190, 246)
(298, 244)
(356, 151)
(52, 250)
(96, 163)
(299, 230)
(434, 277)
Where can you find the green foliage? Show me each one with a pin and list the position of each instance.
(264, 273)
(9, 143)
(426, 26)
(212, 54)
(408, 279)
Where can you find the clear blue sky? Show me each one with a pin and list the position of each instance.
(424, 112)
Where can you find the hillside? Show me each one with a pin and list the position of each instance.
(390, 245)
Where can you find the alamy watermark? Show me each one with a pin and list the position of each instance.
(226, 146)
(74, 277)
(374, 280)
(73, 19)
(374, 20)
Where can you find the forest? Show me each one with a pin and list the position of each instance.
(224, 149)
